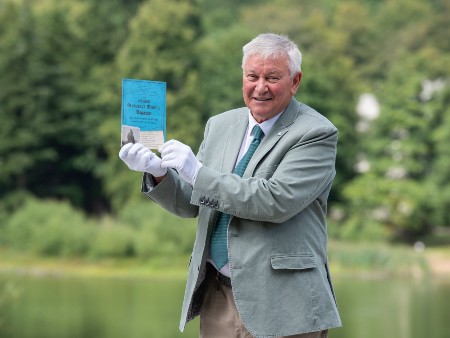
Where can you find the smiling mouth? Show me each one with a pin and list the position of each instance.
(261, 99)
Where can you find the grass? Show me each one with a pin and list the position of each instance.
(364, 260)
(369, 260)
(161, 268)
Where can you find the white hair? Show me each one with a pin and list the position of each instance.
(271, 45)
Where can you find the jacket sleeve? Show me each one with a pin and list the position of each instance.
(297, 171)
(172, 193)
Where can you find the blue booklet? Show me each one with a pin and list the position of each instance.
(143, 112)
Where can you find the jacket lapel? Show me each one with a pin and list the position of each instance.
(235, 135)
(280, 128)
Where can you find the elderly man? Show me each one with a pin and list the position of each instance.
(259, 186)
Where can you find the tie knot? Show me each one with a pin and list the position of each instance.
(258, 133)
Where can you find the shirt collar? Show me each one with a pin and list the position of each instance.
(265, 126)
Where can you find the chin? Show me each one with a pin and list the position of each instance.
(260, 111)
(260, 117)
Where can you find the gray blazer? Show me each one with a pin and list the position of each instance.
(277, 239)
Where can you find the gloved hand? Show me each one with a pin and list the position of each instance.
(139, 158)
(179, 156)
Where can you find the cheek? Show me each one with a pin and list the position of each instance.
(277, 91)
(282, 91)
(247, 89)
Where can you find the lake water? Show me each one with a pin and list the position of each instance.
(49, 307)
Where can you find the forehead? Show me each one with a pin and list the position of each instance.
(259, 64)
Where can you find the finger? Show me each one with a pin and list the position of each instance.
(164, 146)
(167, 148)
(147, 157)
(169, 162)
(124, 150)
(166, 164)
(143, 151)
(172, 144)
(135, 148)
(168, 156)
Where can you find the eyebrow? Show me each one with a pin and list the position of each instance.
(273, 72)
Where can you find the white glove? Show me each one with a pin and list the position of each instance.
(139, 158)
(179, 156)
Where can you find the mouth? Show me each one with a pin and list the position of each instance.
(261, 99)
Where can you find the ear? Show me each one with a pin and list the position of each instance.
(296, 82)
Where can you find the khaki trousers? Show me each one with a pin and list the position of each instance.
(219, 317)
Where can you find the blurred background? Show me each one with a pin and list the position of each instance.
(84, 254)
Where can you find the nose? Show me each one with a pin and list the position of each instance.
(261, 85)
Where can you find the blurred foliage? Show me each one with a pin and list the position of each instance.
(48, 228)
(52, 228)
(62, 62)
(378, 260)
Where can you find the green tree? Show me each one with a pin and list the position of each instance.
(403, 147)
(49, 54)
(221, 72)
(44, 127)
(440, 175)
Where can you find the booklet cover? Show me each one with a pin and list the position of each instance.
(143, 112)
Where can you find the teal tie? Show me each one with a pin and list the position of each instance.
(219, 250)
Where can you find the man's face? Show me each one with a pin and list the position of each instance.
(266, 86)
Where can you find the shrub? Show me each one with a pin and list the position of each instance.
(112, 240)
(48, 227)
(159, 232)
(54, 228)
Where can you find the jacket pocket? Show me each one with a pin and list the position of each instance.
(295, 262)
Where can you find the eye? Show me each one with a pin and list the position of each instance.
(252, 77)
(273, 79)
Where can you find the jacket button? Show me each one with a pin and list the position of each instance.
(202, 200)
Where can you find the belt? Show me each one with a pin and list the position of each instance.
(222, 279)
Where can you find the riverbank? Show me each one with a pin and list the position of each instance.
(368, 260)
(157, 269)
(361, 260)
